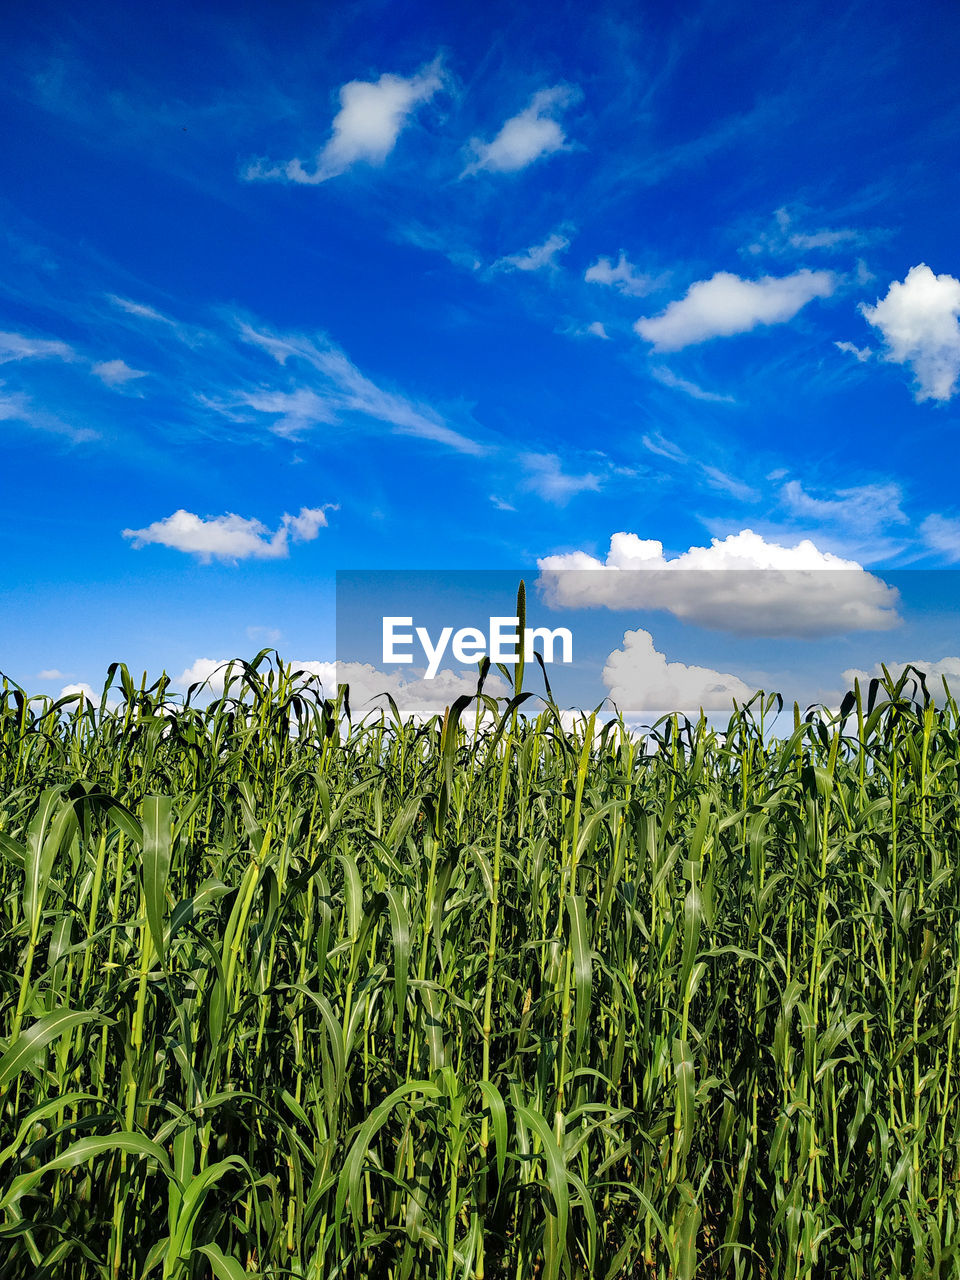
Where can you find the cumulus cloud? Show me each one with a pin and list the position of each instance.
(546, 477)
(230, 537)
(366, 128)
(726, 304)
(935, 671)
(116, 373)
(597, 330)
(919, 321)
(533, 133)
(17, 346)
(639, 679)
(87, 694)
(213, 673)
(413, 695)
(742, 584)
(537, 257)
(624, 277)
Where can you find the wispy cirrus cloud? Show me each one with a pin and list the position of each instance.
(864, 522)
(538, 257)
(231, 537)
(670, 379)
(657, 443)
(859, 509)
(116, 373)
(17, 407)
(189, 335)
(726, 305)
(718, 479)
(342, 388)
(787, 237)
(365, 130)
(21, 346)
(942, 534)
(860, 354)
(622, 276)
(547, 478)
(532, 134)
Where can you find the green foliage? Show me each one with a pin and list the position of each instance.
(488, 996)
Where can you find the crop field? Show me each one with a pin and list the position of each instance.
(494, 995)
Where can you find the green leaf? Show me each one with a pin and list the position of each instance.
(157, 848)
(21, 1053)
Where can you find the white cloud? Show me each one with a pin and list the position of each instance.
(799, 591)
(526, 137)
(537, 257)
(725, 305)
(191, 336)
(272, 635)
(920, 323)
(17, 346)
(825, 239)
(623, 276)
(344, 389)
(671, 379)
(547, 478)
(230, 537)
(294, 411)
(14, 406)
(371, 117)
(934, 671)
(664, 448)
(861, 508)
(86, 691)
(116, 373)
(139, 309)
(861, 353)
(597, 329)
(213, 672)
(18, 407)
(51, 673)
(410, 691)
(306, 526)
(718, 479)
(785, 238)
(640, 679)
(413, 695)
(500, 504)
(942, 534)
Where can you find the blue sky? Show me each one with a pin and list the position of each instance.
(290, 288)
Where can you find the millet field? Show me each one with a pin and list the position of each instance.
(502, 994)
